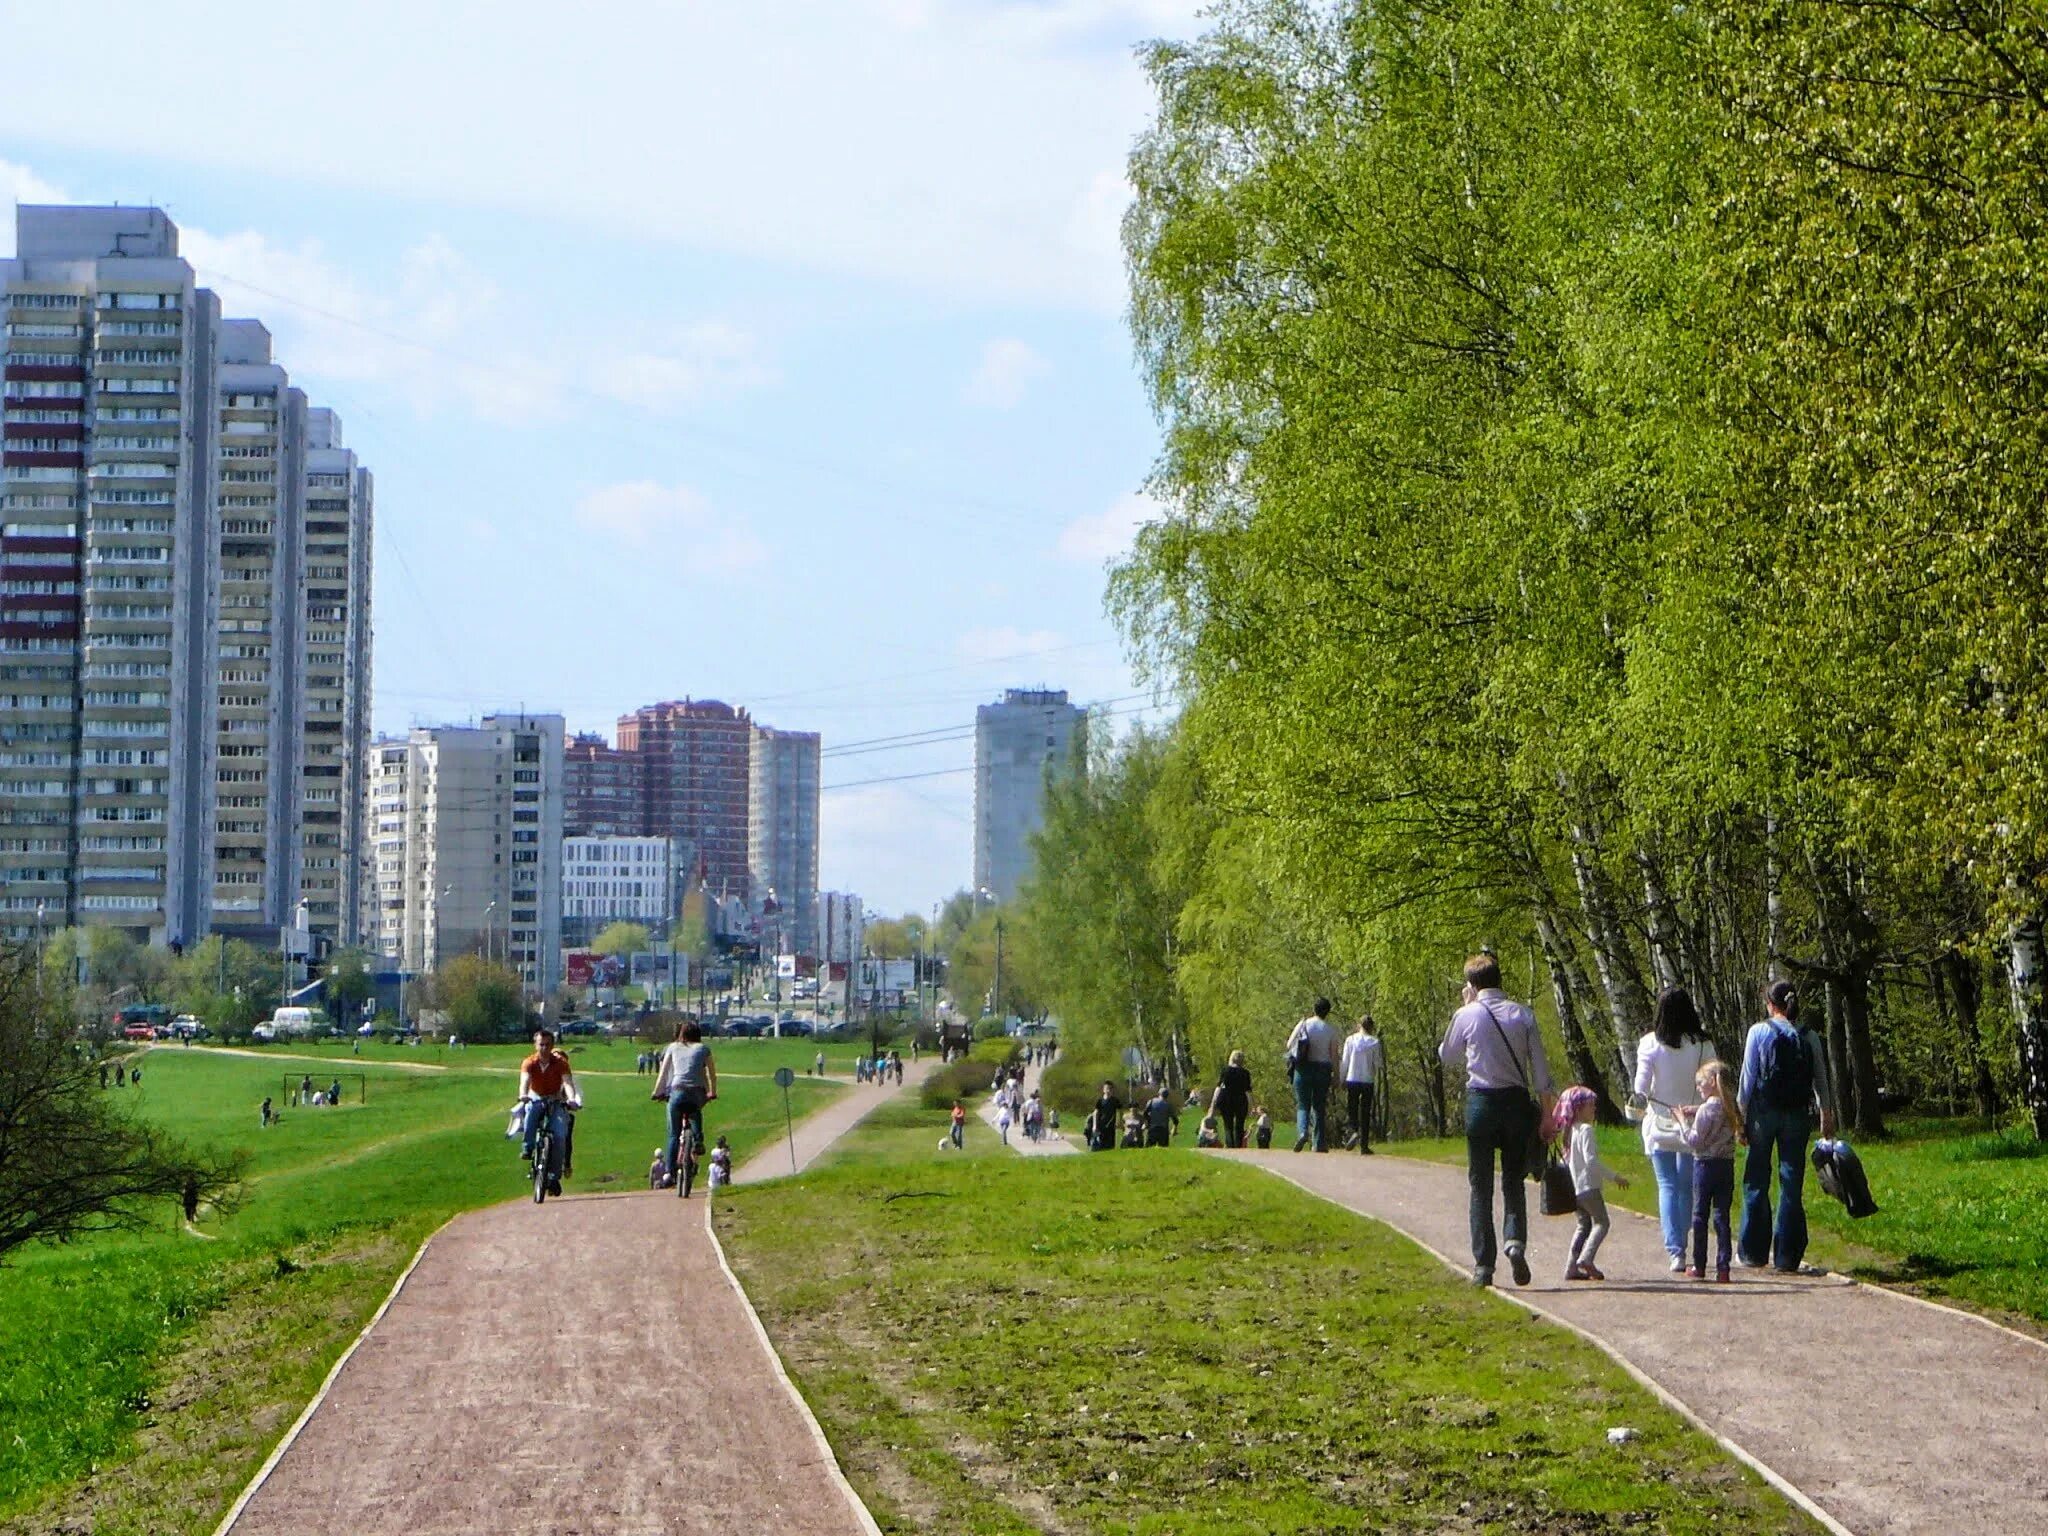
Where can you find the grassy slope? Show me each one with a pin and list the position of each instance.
(1171, 1344)
(207, 1348)
(1964, 1215)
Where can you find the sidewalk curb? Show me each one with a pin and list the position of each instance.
(826, 1455)
(1519, 1299)
(277, 1453)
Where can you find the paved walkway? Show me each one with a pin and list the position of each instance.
(583, 1368)
(1050, 1144)
(818, 1130)
(1892, 1415)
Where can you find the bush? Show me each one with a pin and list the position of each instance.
(970, 1076)
(1071, 1083)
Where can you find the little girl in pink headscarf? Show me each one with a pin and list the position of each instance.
(1574, 1121)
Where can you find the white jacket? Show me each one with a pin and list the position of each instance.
(1582, 1156)
(1666, 1078)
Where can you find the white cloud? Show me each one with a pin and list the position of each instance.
(712, 360)
(1095, 538)
(675, 519)
(1002, 642)
(955, 147)
(1005, 371)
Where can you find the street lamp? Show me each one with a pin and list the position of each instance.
(489, 953)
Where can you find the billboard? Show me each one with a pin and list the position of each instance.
(585, 969)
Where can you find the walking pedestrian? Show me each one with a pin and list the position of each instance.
(1233, 1099)
(1576, 1110)
(818, 1065)
(1106, 1118)
(959, 1131)
(120, 1074)
(268, 1114)
(1507, 1091)
(1161, 1119)
(1311, 1057)
(1362, 1064)
(1668, 1062)
(1711, 1131)
(1262, 1133)
(1003, 1119)
(1784, 1088)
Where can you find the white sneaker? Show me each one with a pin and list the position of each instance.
(1678, 1263)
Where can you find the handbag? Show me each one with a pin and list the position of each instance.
(1558, 1197)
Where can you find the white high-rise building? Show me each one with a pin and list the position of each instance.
(466, 827)
(260, 661)
(1019, 743)
(108, 551)
(609, 880)
(334, 756)
(842, 927)
(782, 837)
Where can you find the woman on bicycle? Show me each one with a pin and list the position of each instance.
(688, 1079)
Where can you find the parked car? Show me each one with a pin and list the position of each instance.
(263, 1034)
(139, 1032)
(188, 1026)
(580, 1027)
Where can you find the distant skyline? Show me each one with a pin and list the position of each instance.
(816, 306)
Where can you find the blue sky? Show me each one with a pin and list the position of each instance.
(771, 352)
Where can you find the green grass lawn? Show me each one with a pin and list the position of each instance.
(1175, 1344)
(1964, 1213)
(147, 1374)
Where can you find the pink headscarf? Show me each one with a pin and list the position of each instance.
(1567, 1109)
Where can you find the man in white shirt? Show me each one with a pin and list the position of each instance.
(1312, 1060)
(1363, 1061)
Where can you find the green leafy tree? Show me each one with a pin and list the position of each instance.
(621, 938)
(482, 998)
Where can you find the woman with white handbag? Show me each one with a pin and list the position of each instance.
(1668, 1060)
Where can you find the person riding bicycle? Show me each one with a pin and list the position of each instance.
(688, 1079)
(547, 1084)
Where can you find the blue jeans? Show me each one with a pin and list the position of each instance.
(1312, 1102)
(1781, 1135)
(558, 1125)
(1674, 1197)
(1498, 1120)
(1713, 1185)
(683, 1102)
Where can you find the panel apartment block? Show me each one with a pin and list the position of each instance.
(335, 743)
(260, 661)
(107, 564)
(695, 755)
(782, 836)
(1029, 734)
(604, 792)
(466, 823)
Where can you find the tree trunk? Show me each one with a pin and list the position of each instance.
(1657, 910)
(1841, 1084)
(1966, 990)
(1628, 1009)
(1774, 902)
(2030, 1017)
(1585, 1065)
(1855, 993)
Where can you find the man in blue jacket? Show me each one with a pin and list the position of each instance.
(1784, 1090)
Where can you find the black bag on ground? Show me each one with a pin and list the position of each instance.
(1840, 1172)
(1558, 1198)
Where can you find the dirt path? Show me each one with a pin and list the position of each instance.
(583, 1367)
(818, 1130)
(1892, 1415)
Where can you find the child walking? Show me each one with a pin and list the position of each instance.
(1710, 1131)
(1575, 1111)
(959, 1131)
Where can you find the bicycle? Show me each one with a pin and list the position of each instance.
(543, 1158)
(688, 1142)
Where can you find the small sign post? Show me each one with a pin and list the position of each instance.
(784, 1076)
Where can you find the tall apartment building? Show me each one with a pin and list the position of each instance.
(604, 789)
(1030, 734)
(695, 755)
(782, 835)
(334, 752)
(618, 880)
(842, 927)
(107, 567)
(260, 497)
(466, 826)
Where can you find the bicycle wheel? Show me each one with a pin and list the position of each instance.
(689, 1177)
(543, 1151)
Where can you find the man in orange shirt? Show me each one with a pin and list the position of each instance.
(546, 1084)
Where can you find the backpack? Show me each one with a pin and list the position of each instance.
(1784, 1079)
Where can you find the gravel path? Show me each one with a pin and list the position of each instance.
(1892, 1415)
(817, 1131)
(586, 1367)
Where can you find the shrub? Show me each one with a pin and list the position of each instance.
(970, 1076)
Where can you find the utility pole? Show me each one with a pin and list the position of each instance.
(999, 970)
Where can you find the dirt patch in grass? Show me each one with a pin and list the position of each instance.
(229, 1390)
(1170, 1344)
